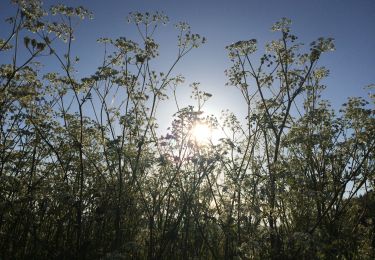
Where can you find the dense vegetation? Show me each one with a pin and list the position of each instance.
(84, 177)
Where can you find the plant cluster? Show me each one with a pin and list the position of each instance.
(85, 174)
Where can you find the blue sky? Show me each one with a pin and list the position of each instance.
(350, 22)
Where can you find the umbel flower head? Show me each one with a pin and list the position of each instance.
(242, 48)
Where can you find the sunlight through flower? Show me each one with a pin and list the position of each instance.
(201, 133)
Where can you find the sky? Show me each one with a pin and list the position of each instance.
(350, 22)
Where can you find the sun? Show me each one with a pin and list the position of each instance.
(201, 133)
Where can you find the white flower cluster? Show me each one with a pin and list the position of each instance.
(242, 48)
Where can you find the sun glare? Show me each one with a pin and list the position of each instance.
(201, 133)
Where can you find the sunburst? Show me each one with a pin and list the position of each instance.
(201, 133)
